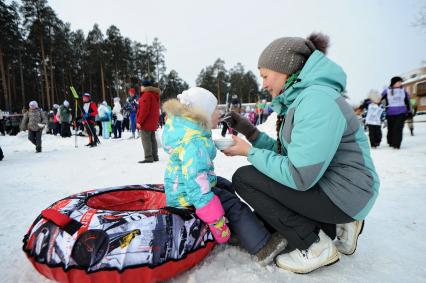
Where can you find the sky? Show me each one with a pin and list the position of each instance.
(373, 40)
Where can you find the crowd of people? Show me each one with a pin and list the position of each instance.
(140, 115)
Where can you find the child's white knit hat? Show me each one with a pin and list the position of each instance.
(200, 98)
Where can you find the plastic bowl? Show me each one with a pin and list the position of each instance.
(222, 144)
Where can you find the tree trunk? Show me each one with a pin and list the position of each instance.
(52, 89)
(90, 84)
(3, 78)
(46, 79)
(103, 83)
(64, 85)
(218, 92)
(13, 92)
(42, 96)
(68, 76)
(21, 75)
(83, 77)
(9, 91)
(116, 80)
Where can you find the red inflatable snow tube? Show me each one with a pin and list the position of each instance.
(120, 234)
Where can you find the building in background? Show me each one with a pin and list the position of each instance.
(415, 84)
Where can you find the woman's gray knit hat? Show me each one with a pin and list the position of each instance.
(287, 55)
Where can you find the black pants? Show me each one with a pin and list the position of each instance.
(117, 129)
(297, 215)
(243, 223)
(91, 131)
(99, 123)
(395, 127)
(2, 127)
(65, 130)
(35, 138)
(375, 134)
(56, 128)
(150, 146)
(125, 124)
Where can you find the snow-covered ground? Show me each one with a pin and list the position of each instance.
(392, 247)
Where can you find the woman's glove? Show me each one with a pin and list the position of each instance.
(241, 124)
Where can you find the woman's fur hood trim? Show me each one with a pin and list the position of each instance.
(151, 89)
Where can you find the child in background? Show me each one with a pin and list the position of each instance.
(189, 175)
(373, 120)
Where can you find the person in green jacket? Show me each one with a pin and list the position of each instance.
(65, 119)
(317, 180)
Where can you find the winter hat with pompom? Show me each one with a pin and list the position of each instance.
(199, 98)
(287, 55)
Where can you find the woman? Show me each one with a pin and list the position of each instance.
(319, 171)
(397, 109)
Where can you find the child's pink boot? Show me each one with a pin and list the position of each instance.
(213, 214)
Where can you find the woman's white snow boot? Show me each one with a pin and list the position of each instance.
(321, 253)
(347, 236)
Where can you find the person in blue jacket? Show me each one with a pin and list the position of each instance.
(317, 179)
(131, 108)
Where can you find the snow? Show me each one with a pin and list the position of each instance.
(392, 247)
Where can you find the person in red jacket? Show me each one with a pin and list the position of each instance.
(90, 110)
(147, 119)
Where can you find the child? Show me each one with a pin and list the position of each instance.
(34, 121)
(189, 175)
(373, 120)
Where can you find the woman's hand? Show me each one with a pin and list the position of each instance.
(241, 124)
(241, 147)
